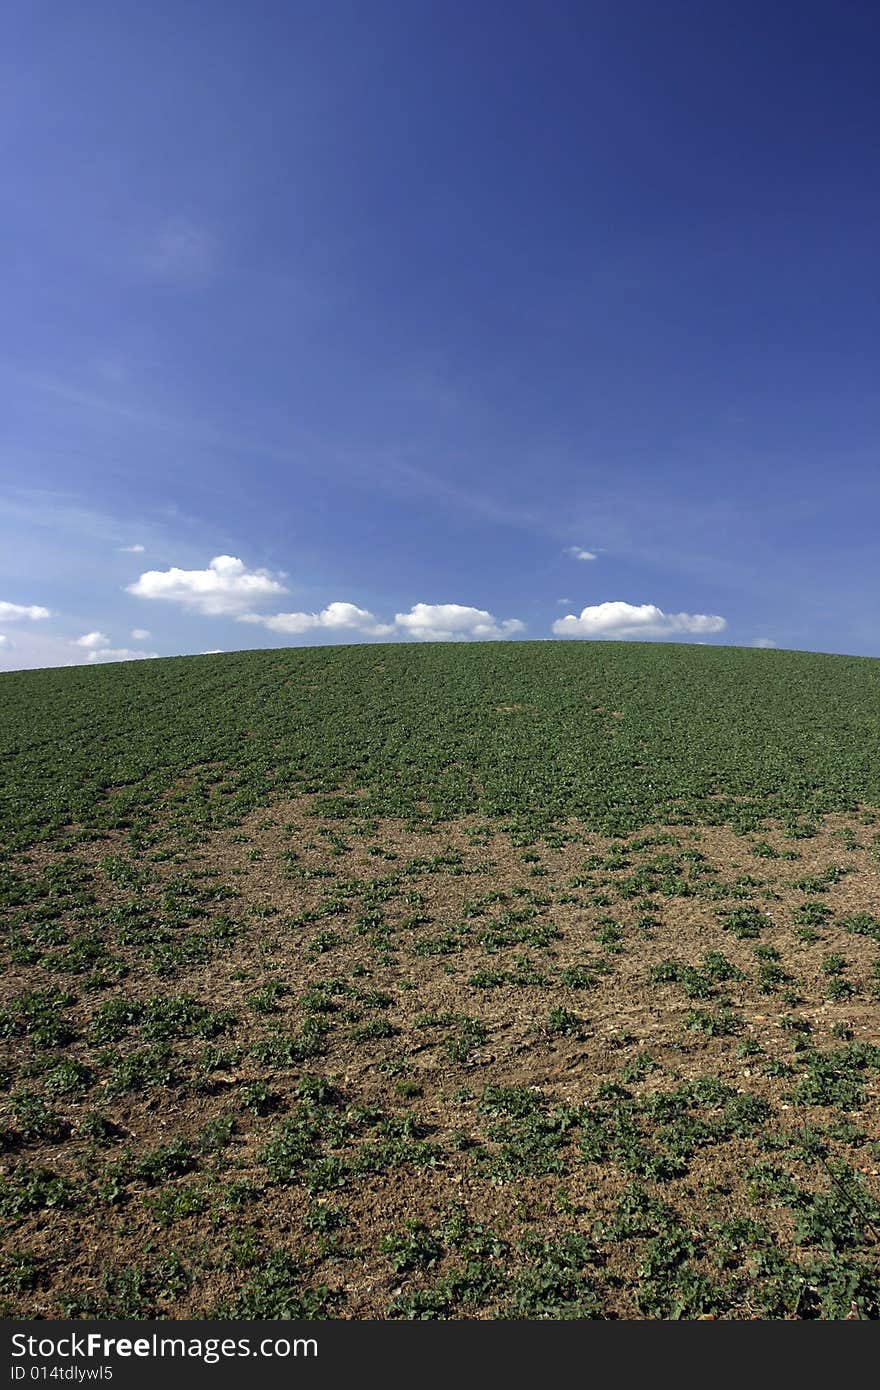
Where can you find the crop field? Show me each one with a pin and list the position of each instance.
(521, 980)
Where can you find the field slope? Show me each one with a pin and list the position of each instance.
(500, 980)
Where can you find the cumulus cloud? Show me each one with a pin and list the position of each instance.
(120, 654)
(227, 588)
(3, 640)
(450, 622)
(622, 620)
(577, 552)
(335, 616)
(428, 622)
(12, 612)
(132, 549)
(92, 639)
(140, 634)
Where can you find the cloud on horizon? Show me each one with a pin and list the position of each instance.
(425, 622)
(335, 616)
(120, 654)
(451, 622)
(618, 620)
(97, 644)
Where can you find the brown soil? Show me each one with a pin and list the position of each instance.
(419, 940)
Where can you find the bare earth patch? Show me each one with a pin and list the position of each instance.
(322, 1065)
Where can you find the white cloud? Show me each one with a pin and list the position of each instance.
(120, 654)
(93, 640)
(449, 622)
(212, 651)
(140, 634)
(335, 616)
(225, 589)
(11, 612)
(348, 615)
(428, 622)
(621, 620)
(3, 640)
(577, 552)
(763, 642)
(132, 549)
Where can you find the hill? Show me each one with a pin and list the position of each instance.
(504, 980)
(618, 734)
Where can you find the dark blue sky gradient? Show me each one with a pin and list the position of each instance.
(404, 300)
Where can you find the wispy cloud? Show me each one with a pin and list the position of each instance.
(98, 647)
(410, 480)
(14, 612)
(34, 648)
(577, 552)
(140, 634)
(181, 252)
(303, 448)
(226, 588)
(72, 528)
(120, 654)
(131, 549)
(627, 620)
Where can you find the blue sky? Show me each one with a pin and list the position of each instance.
(402, 310)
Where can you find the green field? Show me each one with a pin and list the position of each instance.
(616, 734)
(521, 980)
